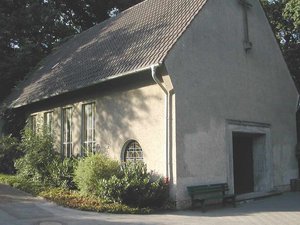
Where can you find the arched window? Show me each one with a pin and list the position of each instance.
(133, 152)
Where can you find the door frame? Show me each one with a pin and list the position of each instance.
(255, 129)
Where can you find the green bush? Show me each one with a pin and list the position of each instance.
(94, 175)
(62, 172)
(111, 190)
(92, 169)
(38, 154)
(136, 187)
(9, 152)
(42, 164)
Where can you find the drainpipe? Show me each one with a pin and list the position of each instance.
(167, 117)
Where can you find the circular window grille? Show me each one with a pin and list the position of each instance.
(133, 152)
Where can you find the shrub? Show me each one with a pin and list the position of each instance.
(62, 172)
(9, 152)
(136, 187)
(38, 154)
(111, 190)
(91, 169)
(42, 164)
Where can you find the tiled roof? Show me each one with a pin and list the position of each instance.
(137, 38)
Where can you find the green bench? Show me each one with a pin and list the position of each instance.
(201, 193)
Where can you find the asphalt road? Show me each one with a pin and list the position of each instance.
(19, 208)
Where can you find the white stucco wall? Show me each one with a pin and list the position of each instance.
(135, 113)
(215, 80)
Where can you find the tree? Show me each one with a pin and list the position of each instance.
(29, 30)
(284, 17)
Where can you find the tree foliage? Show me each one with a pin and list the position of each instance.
(284, 17)
(28, 31)
(9, 152)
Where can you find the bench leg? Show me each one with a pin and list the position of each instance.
(233, 202)
(231, 199)
(202, 205)
(224, 202)
(193, 204)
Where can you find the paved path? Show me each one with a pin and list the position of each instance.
(19, 208)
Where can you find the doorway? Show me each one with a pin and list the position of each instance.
(249, 157)
(243, 163)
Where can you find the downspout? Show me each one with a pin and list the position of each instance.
(167, 118)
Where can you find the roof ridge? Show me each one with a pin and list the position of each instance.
(106, 20)
(117, 15)
(131, 7)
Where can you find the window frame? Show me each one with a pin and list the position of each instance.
(33, 123)
(137, 148)
(48, 124)
(65, 142)
(86, 141)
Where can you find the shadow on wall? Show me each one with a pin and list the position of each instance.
(77, 130)
(126, 115)
(121, 112)
(125, 107)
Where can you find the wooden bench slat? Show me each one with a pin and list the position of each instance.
(201, 193)
(205, 190)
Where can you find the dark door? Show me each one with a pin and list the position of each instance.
(243, 163)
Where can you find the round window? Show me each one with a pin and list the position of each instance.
(133, 152)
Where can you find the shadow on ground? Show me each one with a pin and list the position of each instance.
(287, 202)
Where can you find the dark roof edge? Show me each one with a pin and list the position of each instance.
(12, 106)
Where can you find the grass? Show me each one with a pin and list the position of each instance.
(28, 186)
(69, 198)
(7, 179)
